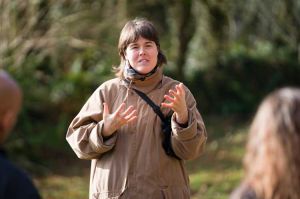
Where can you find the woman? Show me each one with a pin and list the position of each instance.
(272, 160)
(121, 133)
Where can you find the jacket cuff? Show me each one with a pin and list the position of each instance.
(184, 133)
(98, 142)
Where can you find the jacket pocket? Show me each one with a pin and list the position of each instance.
(108, 181)
(108, 194)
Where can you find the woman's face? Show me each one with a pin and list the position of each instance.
(142, 55)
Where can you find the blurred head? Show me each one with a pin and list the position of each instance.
(272, 162)
(10, 102)
(139, 37)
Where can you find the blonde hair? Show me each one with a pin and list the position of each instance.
(272, 162)
(131, 32)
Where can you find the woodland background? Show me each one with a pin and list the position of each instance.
(230, 53)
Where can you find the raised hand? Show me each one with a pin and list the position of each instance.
(177, 103)
(116, 120)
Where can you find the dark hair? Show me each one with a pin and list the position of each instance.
(130, 33)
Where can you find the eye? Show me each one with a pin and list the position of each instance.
(149, 44)
(133, 47)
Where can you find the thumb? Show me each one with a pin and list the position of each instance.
(105, 110)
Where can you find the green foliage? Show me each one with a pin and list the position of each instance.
(242, 77)
(52, 97)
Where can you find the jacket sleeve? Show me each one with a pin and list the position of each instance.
(189, 143)
(84, 133)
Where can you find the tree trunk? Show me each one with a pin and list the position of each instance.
(186, 30)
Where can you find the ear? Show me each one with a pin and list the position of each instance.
(8, 121)
(127, 63)
(125, 54)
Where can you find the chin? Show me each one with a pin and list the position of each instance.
(143, 71)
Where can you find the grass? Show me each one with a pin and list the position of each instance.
(67, 179)
(219, 170)
(212, 176)
(58, 186)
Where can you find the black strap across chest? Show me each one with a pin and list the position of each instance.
(166, 127)
(155, 108)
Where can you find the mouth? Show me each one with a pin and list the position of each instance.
(143, 61)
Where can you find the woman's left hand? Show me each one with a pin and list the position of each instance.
(177, 103)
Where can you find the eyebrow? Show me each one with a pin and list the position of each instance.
(147, 42)
(132, 44)
(150, 42)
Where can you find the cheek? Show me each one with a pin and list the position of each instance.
(131, 56)
(155, 55)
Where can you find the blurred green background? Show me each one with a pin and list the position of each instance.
(229, 53)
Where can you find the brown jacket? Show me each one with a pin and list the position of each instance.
(132, 164)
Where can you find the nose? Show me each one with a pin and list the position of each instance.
(141, 51)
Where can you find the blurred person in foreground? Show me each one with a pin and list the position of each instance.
(14, 183)
(272, 160)
(123, 136)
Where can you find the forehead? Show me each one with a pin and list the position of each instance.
(133, 32)
(141, 40)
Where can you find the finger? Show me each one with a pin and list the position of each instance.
(175, 100)
(178, 89)
(105, 110)
(120, 109)
(174, 93)
(132, 119)
(130, 115)
(128, 110)
(167, 97)
(181, 87)
(168, 105)
(171, 106)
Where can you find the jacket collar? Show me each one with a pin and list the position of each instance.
(147, 85)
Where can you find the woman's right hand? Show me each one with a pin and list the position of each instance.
(114, 121)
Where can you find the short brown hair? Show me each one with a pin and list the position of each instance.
(132, 30)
